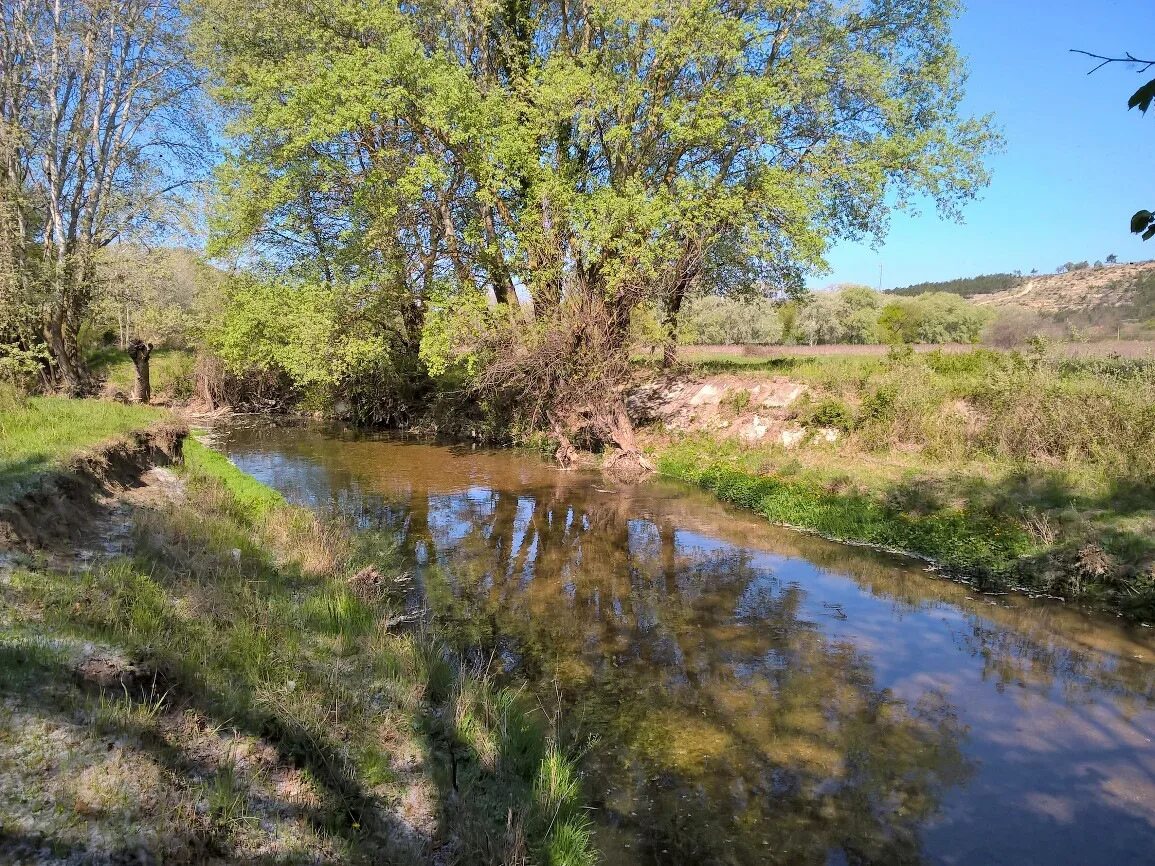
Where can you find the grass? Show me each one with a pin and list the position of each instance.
(40, 434)
(280, 713)
(1012, 469)
(171, 372)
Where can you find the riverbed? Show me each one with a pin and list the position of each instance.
(748, 694)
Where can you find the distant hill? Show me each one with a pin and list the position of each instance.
(1123, 291)
(1127, 289)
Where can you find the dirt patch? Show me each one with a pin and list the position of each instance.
(67, 500)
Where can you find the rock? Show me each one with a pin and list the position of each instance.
(791, 437)
(782, 394)
(827, 435)
(756, 431)
(708, 394)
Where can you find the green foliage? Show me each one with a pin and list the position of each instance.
(938, 317)
(829, 412)
(849, 315)
(332, 342)
(985, 284)
(536, 165)
(167, 296)
(714, 320)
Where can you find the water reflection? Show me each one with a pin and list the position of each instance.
(759, 695)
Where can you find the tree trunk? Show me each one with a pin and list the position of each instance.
(139, 352)
(627, 463)
(672, 312)
(69, 376)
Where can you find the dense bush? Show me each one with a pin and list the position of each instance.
(937, 317)
(849, 315)
(1014, 325)
(308, 333)
(714, 320)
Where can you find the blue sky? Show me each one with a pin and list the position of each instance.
(1076, 165)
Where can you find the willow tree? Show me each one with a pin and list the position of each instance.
(523, 174)
(97, 125)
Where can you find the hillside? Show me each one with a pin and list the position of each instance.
(1078, 291)
(1114, 286)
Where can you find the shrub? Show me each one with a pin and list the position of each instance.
(829, 412)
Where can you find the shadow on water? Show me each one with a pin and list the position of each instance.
(752, 694)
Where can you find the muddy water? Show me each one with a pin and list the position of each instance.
(755, 695)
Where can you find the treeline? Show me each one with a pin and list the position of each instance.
(852, 314)
(986, 284)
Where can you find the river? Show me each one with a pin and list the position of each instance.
(749, 694)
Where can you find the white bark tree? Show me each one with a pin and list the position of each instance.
(98, 131)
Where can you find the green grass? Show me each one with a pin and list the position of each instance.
(251, 500)
(960, 538)
(40, 434)
(1009, 468)
(171, 372)
(241, 605)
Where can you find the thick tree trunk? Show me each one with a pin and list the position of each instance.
(140, 351)
(69, 375)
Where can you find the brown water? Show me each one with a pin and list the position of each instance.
(757, 695)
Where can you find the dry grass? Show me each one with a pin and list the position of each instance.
(260, 710)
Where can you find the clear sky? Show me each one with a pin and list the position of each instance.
(1076, 165)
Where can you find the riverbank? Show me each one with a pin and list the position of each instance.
(242, 681)
(1008, 471)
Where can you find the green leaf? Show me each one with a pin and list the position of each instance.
(1142, 97)
(1141, 220)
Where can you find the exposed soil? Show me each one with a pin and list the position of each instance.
(751, 408)
(57, 513)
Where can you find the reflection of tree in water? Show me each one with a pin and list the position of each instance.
(730, 729)
(734, 729)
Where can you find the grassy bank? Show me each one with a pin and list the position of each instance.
(247, 686)
(39, 434)
(1010, 469)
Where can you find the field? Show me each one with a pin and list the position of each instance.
(753, 354)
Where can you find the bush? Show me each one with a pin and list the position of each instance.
(714, 320)
(829, 412)
(1012, 326)
(938, 317)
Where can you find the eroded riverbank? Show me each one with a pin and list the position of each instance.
(750, 694)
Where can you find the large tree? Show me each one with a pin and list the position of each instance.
(571, 160)
(97, 124)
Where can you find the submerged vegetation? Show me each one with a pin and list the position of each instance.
(247, 682)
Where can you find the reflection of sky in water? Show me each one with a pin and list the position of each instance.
(1059, 738)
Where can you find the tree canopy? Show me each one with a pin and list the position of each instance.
(571, 161)
(98, 121)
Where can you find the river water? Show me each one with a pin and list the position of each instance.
(752, 694)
